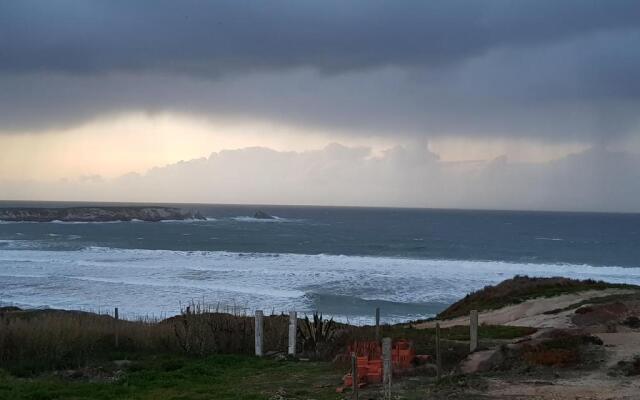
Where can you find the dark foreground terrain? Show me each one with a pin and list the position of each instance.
(583, 342)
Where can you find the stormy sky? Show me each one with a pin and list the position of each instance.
(435, 103)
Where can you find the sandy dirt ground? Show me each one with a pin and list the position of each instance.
(590, 387)
(530, 312)
(620, 345)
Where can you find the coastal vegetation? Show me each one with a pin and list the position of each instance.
(56, 354)
(229, 377)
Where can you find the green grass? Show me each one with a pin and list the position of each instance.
(170, 376)
(219, 377)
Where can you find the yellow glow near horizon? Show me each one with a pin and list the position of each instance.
(136, 142)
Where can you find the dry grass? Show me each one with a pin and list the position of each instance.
(547, 357)
(562, 349)
(54, 339)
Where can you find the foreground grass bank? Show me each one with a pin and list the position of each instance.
(56, 354)
(184, 378)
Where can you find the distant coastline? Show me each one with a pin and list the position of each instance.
(96, 214)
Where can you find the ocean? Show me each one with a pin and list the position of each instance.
(341, 261)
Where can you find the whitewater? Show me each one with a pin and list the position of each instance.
(158, 283)
(343, 262)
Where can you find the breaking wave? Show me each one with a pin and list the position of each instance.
(347, 287)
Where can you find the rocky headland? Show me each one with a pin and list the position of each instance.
(97, 214)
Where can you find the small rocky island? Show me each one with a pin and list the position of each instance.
(97, 214)
(262, 215)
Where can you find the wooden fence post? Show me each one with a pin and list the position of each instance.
(354, 375)
(293, 332)
(259, 332)
(117, 317)
(377, 324)
(473, 330)
(438, 353)
(387, 367)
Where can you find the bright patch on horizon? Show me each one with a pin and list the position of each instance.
(137, 142)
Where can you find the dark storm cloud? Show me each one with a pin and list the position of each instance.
(216, 37)
(557, 70)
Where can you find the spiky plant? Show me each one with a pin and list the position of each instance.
(316, 334)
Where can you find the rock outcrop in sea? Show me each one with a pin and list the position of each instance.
(97, 214)
(262, 215)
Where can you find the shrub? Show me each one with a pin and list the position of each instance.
(32, 341)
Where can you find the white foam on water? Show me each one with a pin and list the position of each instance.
(188, 220)
(272, 219)
(10, 244)
(80, 222)
(158, 281)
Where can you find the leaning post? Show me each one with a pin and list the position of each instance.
(293, 332)
(473, 330)
(387, 366)
(259, 332)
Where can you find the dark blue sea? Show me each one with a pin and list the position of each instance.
(338, 260)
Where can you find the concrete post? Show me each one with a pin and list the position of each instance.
(259, 332)
(377, 324)
(473, 330)
(387, 367)
(116, 338)
(438, 353)
(354, 375)
(293, 332)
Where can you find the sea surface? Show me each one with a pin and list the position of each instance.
(341, 261)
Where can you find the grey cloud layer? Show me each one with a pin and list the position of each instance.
(595, 180)
(224, 36)
(555, 70)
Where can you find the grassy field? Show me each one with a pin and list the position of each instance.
(70, 355)
(55, 354)
(170, 376)
(184, 378)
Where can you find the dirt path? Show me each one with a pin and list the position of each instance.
(590, 387)
(620, 346)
